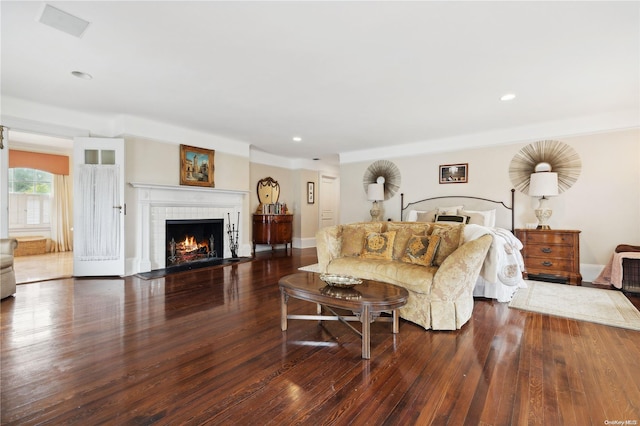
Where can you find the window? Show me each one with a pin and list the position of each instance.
(30, 193)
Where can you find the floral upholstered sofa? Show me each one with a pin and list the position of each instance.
(431, 260)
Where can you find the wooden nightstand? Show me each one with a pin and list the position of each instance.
(551, 255)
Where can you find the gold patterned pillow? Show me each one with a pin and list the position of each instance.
(378, 245)
(352, 237)
(421, 250)
(450, 235)
(404, 231)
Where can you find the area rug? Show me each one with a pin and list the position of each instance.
(608, 307)
(310, 268)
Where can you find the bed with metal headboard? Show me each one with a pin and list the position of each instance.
(504, 213)
(501, 274)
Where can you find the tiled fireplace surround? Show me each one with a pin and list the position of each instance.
(157, 203)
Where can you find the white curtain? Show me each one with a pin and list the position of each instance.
(61, 217)
(99, 225)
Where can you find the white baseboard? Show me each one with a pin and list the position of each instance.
(302, 243)
(590, 271)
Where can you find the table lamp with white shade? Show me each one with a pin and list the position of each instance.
(375, 193)
(543, 184)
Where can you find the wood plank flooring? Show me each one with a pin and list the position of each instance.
(205, 347)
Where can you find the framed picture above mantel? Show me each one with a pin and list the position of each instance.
(196, 166)
(454, 173)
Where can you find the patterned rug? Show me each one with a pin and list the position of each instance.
(608, 307)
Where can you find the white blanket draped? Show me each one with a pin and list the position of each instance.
(501, 273)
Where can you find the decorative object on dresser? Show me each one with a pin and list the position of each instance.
(533, 168)
(268, 191)
(381, 181)
(454, 173)
(551, 255)
(196, 166)
(375, 193)
(272, 223)
(543, 184)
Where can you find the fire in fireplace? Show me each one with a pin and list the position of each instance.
(194, 240)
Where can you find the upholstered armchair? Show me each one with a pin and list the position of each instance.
(7, 274)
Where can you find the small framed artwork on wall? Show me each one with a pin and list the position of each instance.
(454, 173)
(311, 186)
(196, 166)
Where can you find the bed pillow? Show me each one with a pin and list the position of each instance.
(429, 216)
(378, 245)
(452, 218)
(421, 250)
(451, 210)
(481, 217)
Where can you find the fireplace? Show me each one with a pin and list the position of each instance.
(156, 204)
(193, 240)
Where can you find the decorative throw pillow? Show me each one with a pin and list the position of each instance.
(480, 217)
(449, 210)
(429, 216)
(452, 218)
(450, 235)
(378, 245)
(404, 231)
(352, 237)
(421, 250)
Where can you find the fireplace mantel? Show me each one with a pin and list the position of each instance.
(185, 188)
(155, 203)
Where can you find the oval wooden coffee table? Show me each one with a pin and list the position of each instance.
(366, 301)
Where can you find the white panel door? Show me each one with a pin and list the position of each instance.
(98, 207)
(329, 200)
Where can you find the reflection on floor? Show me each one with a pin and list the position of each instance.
(41, 267)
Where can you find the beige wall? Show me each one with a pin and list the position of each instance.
(604, 203)
(149, 161)
(308, 220)
(157, 162)
(293, 192)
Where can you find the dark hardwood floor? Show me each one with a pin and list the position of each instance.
(205, 347)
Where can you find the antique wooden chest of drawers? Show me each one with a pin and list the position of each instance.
(272, 229)
(551, 255)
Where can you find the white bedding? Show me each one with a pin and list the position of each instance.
(501, 273)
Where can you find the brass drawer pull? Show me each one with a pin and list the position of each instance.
(547, 263)
(546, 250)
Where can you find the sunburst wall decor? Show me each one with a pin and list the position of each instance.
(564, 160)
(387, 170)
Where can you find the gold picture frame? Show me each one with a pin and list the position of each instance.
(197, 166)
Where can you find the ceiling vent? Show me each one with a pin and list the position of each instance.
(63, 21)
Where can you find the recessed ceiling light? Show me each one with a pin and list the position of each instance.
(508, 97)
(82, 75)
(297, 139)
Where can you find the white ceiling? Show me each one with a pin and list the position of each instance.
(345, 76)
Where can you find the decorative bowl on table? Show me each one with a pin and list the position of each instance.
(348, 293)
(342, 281)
